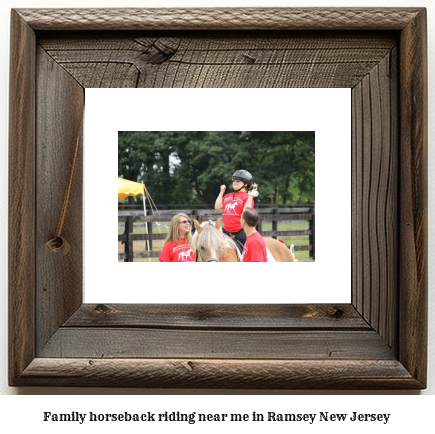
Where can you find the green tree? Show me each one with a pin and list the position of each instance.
(287, 163)
(145, 156)
(190, 166)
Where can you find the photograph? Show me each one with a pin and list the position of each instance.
(199, 181)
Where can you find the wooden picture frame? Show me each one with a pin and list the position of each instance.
(376, 342)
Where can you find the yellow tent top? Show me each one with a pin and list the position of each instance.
(129, 188)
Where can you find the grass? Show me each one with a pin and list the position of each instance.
(140, 246)
(295, 240)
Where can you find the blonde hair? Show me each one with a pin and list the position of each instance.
(174, 234)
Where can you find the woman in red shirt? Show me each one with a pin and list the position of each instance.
(234, 203)
(177, 243)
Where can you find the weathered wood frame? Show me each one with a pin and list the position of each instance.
(377, 341)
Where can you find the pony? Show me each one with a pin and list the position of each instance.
(212, 245)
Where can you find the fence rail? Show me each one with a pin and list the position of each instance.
(199, 206)
(275, 215)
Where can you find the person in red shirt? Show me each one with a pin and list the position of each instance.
(233, 204)
(177, 243)
(255, 247)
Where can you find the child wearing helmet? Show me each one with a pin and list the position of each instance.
(233, 204)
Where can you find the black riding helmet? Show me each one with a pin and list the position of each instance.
(245, 176)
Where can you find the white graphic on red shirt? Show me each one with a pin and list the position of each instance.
(231, 207)
(185, 256)
(245, 250)
(180, 247)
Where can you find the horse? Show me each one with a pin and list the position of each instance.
(213, 246)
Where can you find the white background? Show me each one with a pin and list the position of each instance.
(325, 111)
(412, 413)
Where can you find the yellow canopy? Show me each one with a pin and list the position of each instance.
(129, 188)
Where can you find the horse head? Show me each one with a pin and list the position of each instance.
(199, 228)
(209, 241)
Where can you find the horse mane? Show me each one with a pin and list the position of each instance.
(211, 239)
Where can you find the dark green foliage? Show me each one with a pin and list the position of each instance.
(203, 160)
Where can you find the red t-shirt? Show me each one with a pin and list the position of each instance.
(255, 249)
(181, 252)
(232, 210)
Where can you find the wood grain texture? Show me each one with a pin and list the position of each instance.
(230, 374)
(220, 18)
(59, 278)
(375, 198)
(21, 193)
(303, 345)
(413, 189)
(236, 60)
(378, 342)
(252, 317)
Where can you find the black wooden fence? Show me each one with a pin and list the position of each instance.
(275, 215)
(201, 206)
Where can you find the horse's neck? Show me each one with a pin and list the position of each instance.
(231, 254)
(238, 248)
